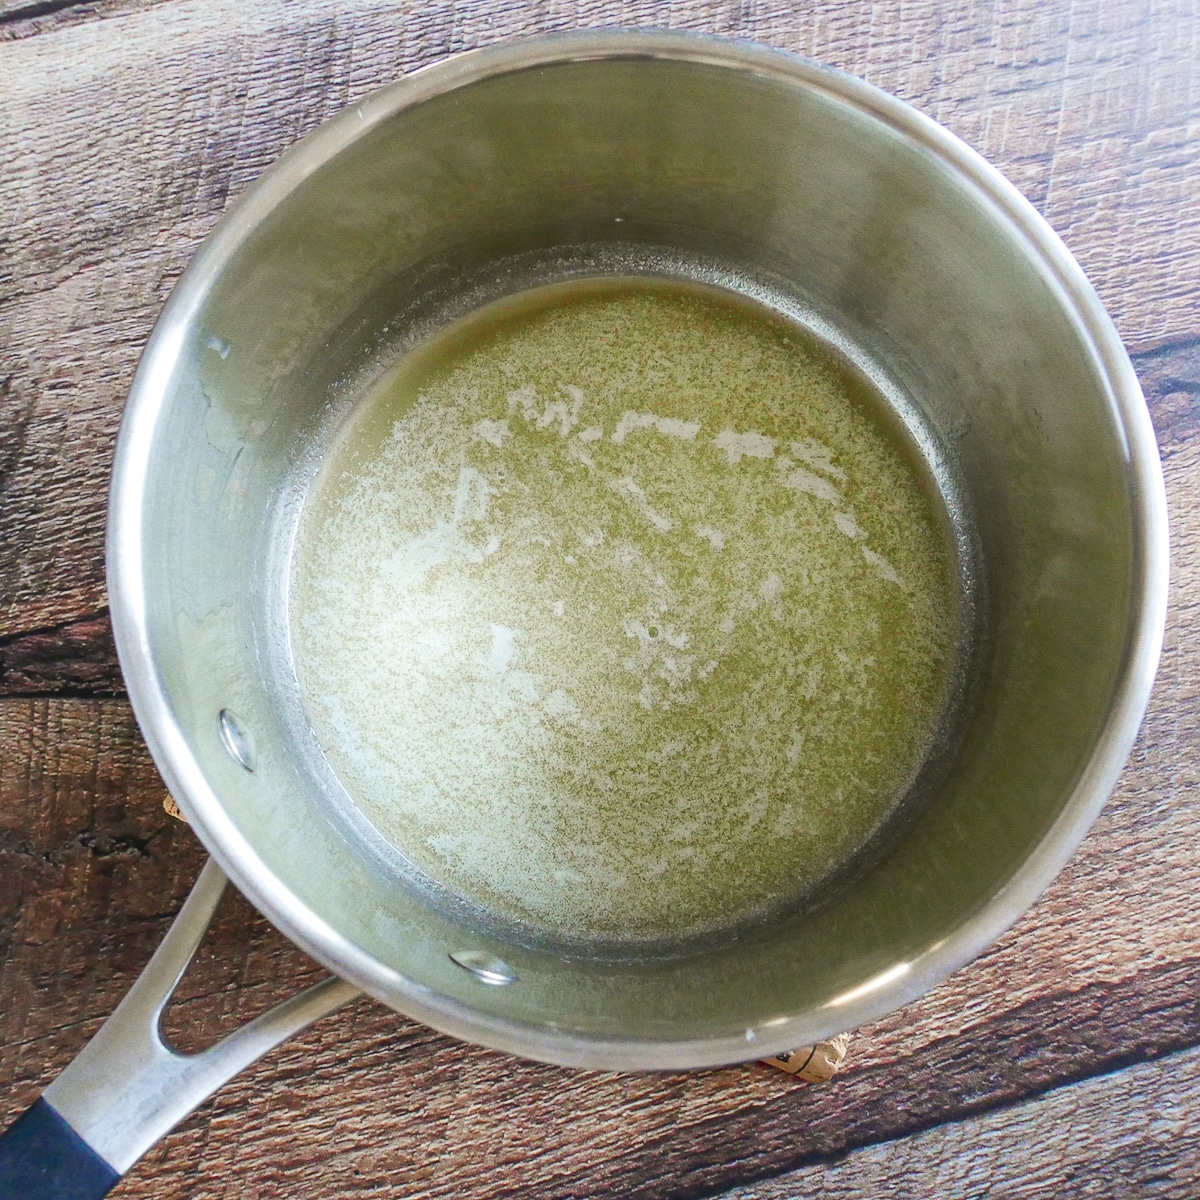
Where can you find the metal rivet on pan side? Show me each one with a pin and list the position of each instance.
(484, 967)
(237, 738)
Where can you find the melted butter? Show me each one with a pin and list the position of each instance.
(623, 610)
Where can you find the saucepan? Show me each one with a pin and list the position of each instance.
(571, 156)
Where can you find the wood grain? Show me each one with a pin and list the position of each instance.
(78, 658)
(75, 659)
(1103, 972)
(164, 109)
(1124, 1135)
(162, 112)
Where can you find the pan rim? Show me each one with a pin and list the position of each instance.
(233, 851)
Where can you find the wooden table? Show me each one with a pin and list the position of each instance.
(1063, 1063)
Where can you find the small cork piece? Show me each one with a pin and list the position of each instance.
(172, 809)
(816, 1064)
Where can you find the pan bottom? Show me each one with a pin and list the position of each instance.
(626, 612)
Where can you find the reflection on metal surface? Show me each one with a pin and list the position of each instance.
(872, 985)
(485, 967)
(238, 739)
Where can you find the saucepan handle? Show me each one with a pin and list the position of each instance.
(127, 1087)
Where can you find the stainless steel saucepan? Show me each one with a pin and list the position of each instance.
(524, 163)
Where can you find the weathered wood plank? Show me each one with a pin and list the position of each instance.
(163, 109)
(21, 11)
(1104, 971)
(1170, 377)
(78, 658)
(75, 659)
(1090, 106)
(1130, 1134)
(371, 1093)
(162, 112)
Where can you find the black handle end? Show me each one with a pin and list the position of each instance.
(43, 1158)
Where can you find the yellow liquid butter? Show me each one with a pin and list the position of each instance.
(622, 612)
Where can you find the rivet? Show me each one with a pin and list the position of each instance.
(237, 739)
(485, 967)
